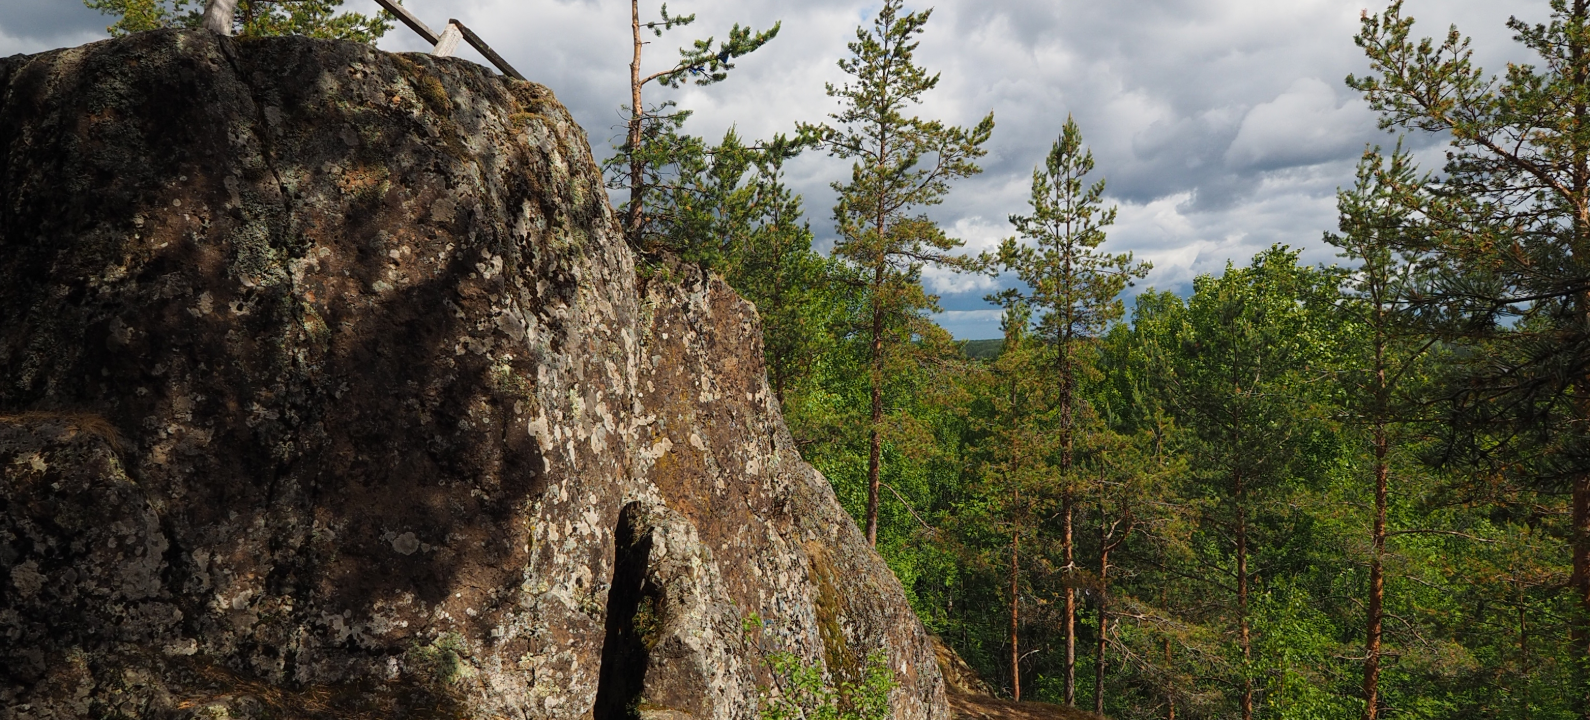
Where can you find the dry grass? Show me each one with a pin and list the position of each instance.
(76, 422)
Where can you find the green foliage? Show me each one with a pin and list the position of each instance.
(701, 63)
(1076, 288)
(901, 165)
(653, 150)
(1227, 442)
(883, 232)
(804, 692)
(254, 18)
(139, 15)
(1506, 230)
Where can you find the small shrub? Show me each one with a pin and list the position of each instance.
(440, 662)
(806, 693)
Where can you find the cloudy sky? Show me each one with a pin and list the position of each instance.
(1222, 126)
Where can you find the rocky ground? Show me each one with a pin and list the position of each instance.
(971, 698)
(984, 707)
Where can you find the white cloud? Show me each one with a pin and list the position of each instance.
(1222, 126)
(1304, 125)
(970, 324)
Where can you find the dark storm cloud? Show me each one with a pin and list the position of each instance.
(1223, 126)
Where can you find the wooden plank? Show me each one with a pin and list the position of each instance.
(486, 50)
(448, 42)
(409, 20)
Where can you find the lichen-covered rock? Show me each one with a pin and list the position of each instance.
(328, 389)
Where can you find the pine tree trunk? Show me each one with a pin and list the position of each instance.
(219, 16)
(637, 178)
(1526, 693)
(1580, 632)
(1170, 697)
(1377, 579)
(1015, 610)
(1377, 582)
(1104, 621)
(875, 439)
(1170, 690)
(1070, 619)
(1068, 509)
(1244, 632)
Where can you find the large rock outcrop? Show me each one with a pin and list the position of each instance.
(328, 388)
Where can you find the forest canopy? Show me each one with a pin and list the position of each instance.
(1296, 491)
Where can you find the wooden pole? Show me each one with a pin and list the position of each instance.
(448, 42)
(409, 20)
(475, 41)
(430, 36)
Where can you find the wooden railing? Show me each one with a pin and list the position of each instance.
(443, 45)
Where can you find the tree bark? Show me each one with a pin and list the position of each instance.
(875, 439)
(1377, 579)
(880, 225)
(1523, 653)
(1104, 620)
(1070, 619)
(1244, 633)
(1170, 695)
(1579, 632)
(637, 177)
(1068, 504)
(1015, 608)
(1377, 584)
(219, 15)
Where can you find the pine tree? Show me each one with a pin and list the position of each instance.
(651, 140)
(902, 165)
(1129, 477)
(1382, 240)
(1076, 289)
(1014, 463)
(1512, 228)
(771, 262)
(254, 18)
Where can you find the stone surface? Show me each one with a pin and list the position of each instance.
(329, 389)
(959, 677)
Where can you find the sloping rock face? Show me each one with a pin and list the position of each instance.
(328, 389)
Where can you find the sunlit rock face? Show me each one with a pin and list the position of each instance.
(328, 388)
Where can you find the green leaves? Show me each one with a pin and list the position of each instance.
(902, 163)
(1074, 287)
(703, 65)
(255, 18)
(653, 147)
(140, 15)
(804, 692)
